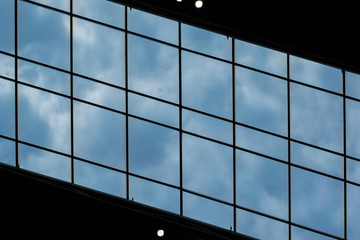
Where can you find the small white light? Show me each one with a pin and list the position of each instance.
(179, 0)
(199, 3)
(160, 233)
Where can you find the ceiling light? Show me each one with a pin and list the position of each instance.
(160, 233)
(179, 0)
(199, 3)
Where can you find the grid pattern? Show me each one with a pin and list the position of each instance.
(180, 118)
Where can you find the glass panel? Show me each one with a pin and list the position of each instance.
(99, 178)
(262, 58)
(44, 77)
(44, 35)
(99, 93)
(7, 64)
(44, 119)
(207, 167)
(60, 4)
(261, 142)
(260, 227)
(353, 170)
(316, 74)
(317, 201)
(101, 10)
(155, 195)
(352, 128)
(99, 52)
(353, 212)
(153, 26)
(208, 211)
(261, 101)
(154, 151)
(153, 68)
(206, 42)
(153, 110)
(317, 160)
(7, 151)
(316, 117)
(44, 162)
(262, 184)
(207, 84)
(7, 108)
(352, 84)
(99, 135)
(7, 25)
(301, 234)
(207, 126)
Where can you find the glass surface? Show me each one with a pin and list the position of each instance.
(44, 35)
(317, 159)
(44, 77)
(7, 151)
(155, 195)
(153, 68)
(207, 126)
(99, 135)
(7, 108)
(353, 170)
(208, 211)
(44, 162)
(207, 85)
(99, 178)
(207, 167)
(316, 117)
(317, 201)
(153, 110)
(353, 212)
(261, 58)
(60, 4)
(260, 227)
(101, 10)
(352, 128)
(153, 26)
(99, 52)
(316, 74)
(301, 234)
(44, 119)
(154, 151)
(262, 184)
(100, 94)
(352, 84)
(7, 25)
(261, 142)
(207, 42)
(261, 101)
(7, 64)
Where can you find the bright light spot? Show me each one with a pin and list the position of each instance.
(160, 233)
(179, 0)
(199, 3)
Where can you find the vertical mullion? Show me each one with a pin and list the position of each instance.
(72, 92)
(180, 122)
(289, 143)
(16, 87)
(127, 106)
(344, 146)
(234, 128)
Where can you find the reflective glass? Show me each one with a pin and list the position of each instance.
(44, 162)
(60, 4)
(208, 211)
(99, 135)
(153, 26)
(316, 74)
(44, 35)
(154, 151)
(317, 201)
(316, 117)
(101, 10)
(352, 84)
(261, 101)
(262, 58)
(153, 68)
(206, 42)
(301, 234)
(99, 178)
(353, 170)
(7, 151)
(207, 84)
(207, 167)
(44, 119)
(7, 26)
(352, 128)
(353, 212)
(99, 52)
(7, 64)
(7, 108)
(262, 184)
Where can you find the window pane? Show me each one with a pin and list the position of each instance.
(99, 178)
(154, 151)
(7, 25)
(301, 234)
(60, 4)
(99, 52)
(317, 201)
(44, 162)
(153, 68)
(7, 151)
(353, 212)
(99, 135)
(261, 184)
(7, 64)
(353, 170)
(101, 10)
(352, 128)
(316, 74)
(207, 167)
(208, 211)
(44, 119)
(316, 117)
(44, 35)
(352, 84)
(206, 42)
(262, 58)
(153, 26)
(7, 108)
(207, 85)
(261, 101)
